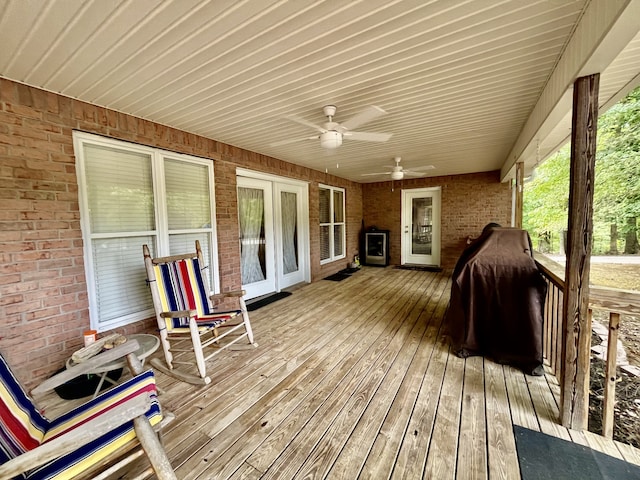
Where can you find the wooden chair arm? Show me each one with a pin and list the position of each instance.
(74, 439)
(86, 367)
(234, 293)
(179, 314)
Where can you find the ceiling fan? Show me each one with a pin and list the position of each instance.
(398, 173)
(332, 133)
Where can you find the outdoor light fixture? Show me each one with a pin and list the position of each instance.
(330, 139)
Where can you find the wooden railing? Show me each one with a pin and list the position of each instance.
(613, 300)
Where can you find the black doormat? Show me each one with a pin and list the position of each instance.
(337, 277)
(342, 274)
(543, 457)
(267, 300)
(420, 268)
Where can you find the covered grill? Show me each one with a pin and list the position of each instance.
(497, 300)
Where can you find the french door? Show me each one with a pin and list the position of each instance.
(420, 242)
(273, 218)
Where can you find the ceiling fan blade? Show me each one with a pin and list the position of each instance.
(306, 123)
(363, 117)
(367, 136)
(420, 169)
(377, 173)
(292, 140)
(414, 174)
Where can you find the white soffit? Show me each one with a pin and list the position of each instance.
(459, 79)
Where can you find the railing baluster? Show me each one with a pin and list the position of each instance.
(610, 383)
(614, 300)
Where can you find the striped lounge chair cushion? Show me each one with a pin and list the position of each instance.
(71, 465)
(182, 287)
(22, 427)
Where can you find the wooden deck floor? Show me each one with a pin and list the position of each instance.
(354, 379)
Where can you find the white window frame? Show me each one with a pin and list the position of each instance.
(333, 224)
(161, 232)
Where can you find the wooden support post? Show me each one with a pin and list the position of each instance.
(610, 376)
(519, 189)
(574, 405)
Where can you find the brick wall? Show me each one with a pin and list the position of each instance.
(43, 296)
(468, 203)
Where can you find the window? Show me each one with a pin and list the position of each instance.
(332, 224)
(131, 195)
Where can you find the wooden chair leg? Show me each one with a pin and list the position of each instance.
(153, 449)
(197, 348)
(245, 318)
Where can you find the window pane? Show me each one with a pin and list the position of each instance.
(119, 188)
(325, 247)
(188, 201)
(325, 205)
(338, 206)
(338, 248)
(120, 278)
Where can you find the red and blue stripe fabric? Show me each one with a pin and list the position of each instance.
(22, 427)
(183, 287)
(18, 437)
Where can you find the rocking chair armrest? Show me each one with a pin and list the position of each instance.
(86, 367)
(179, 314)
(234, 293)
(72, 440)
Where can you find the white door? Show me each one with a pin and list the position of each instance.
(257, 245)
(421, 226)
(289, 220)
(274, 245)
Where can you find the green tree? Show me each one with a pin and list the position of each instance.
(546, 199)
(617, 181)
(617, 189)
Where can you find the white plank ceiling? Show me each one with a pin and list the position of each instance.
(458, 79)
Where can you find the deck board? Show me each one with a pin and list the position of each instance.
(355, 379)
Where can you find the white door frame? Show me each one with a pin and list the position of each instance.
(407, 257)
(304, 250)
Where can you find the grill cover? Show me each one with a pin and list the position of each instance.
(497, 300)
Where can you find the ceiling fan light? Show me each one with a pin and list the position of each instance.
(397, 175)
(330, 139)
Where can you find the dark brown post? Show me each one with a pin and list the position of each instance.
(519, 188)
(574, 406)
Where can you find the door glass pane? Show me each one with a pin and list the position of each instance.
(422, 225)
(289, 211)
(252, 235)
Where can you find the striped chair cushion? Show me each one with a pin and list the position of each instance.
(182, 287)
(71, 465)
(22, 427)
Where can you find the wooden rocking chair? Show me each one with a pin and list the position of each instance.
(186, 315)
(93, 440)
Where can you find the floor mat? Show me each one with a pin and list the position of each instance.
(543, 457)
(419, 267)
(337, 277)
(267, 300)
